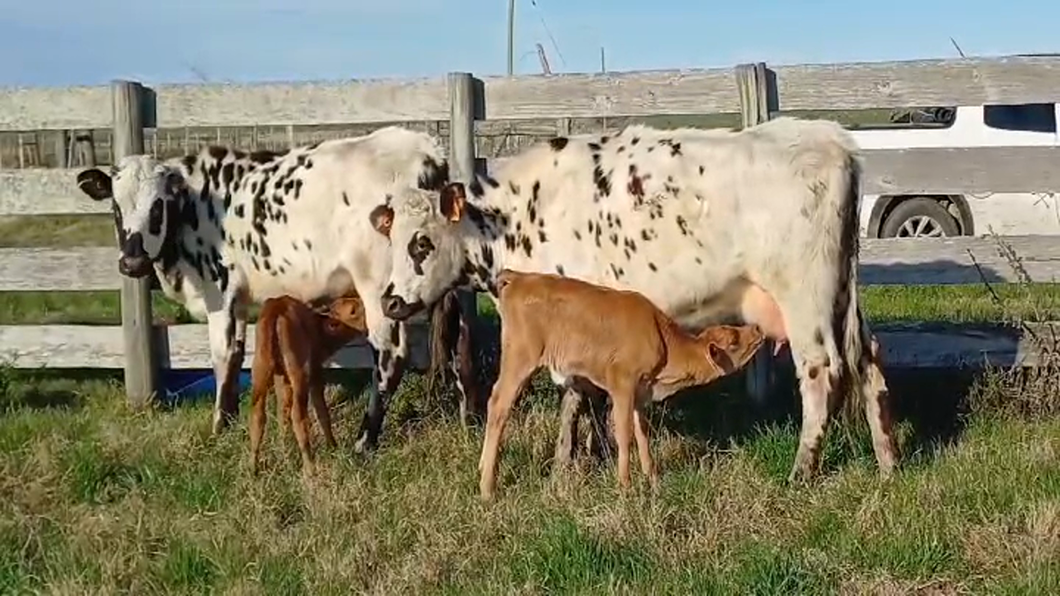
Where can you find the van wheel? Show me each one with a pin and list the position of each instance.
(919, 217)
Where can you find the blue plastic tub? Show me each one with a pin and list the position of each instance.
(194, 384)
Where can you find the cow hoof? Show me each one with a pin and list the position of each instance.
(218, 424)
(800, 475)
(363, 446)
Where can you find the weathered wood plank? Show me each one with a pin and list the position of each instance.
(178, 346)
(964, 170)
(59, 269)
(1009, 79)
(45, 191)
(642, 93)
(302, 103)
(972, 81)
(187, 346)
(54, 108)
(950, 170)
(918, 261)
(911, 261)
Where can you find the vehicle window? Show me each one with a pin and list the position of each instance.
(1031, 117)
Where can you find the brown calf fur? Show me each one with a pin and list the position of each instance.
(570, 326)
(293, 342)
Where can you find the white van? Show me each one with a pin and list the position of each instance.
(963, 214)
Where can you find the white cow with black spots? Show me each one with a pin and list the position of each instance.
(759, 225)
(222, 228)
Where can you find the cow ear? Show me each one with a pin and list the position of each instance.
(382, 217)
(95, 183)
(453, 201)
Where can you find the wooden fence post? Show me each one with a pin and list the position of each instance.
(758, 100)
(462, 149)
(141, 362)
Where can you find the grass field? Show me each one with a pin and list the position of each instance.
(97, 499)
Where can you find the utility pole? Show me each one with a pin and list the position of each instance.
(511, 37)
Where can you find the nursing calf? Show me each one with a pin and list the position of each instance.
(569, 326)
(293, 342)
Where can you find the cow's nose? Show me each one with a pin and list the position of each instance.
(394, 306)
(134, 261)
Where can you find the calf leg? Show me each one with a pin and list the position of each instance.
(284, 397)
(261, 377)
(515, 371)
(641, 433)
(622, 399)
(321, 408)
(300, 382)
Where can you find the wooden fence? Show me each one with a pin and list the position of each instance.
(754, 91)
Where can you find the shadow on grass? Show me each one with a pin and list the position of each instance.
(50, 389)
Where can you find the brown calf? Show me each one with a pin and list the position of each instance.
(618, 340)
(292, 343)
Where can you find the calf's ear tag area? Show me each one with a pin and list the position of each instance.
(453, 201)
(382, 217)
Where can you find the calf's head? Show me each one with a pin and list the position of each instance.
(146, 197)
(730, 347)
(427, 248)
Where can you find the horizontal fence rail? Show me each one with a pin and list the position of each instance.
(459, 106)
(178, 347)
(899, 261)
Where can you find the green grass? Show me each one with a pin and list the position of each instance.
(97, 499)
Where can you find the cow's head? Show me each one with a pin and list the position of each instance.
(146, 196)
(427, 248)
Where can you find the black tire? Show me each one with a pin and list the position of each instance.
(919, 208)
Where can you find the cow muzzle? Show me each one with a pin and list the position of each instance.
(395, 307)
(134, 261)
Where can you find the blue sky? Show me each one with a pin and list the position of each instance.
(64, 42)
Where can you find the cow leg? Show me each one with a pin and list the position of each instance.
(580, 398)
(599, 443)
(877, 407)
(567, 438)
(227, 330)
(462, 363)
(390, 359)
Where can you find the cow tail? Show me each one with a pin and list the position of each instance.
(849, 326)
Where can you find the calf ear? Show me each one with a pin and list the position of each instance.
(453, 201)
(382, 217)
(96, 184)
(721, 358)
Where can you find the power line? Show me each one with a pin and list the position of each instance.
(548, 32)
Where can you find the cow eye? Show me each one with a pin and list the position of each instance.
(424, 243)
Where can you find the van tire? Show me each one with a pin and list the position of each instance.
(915, 212)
